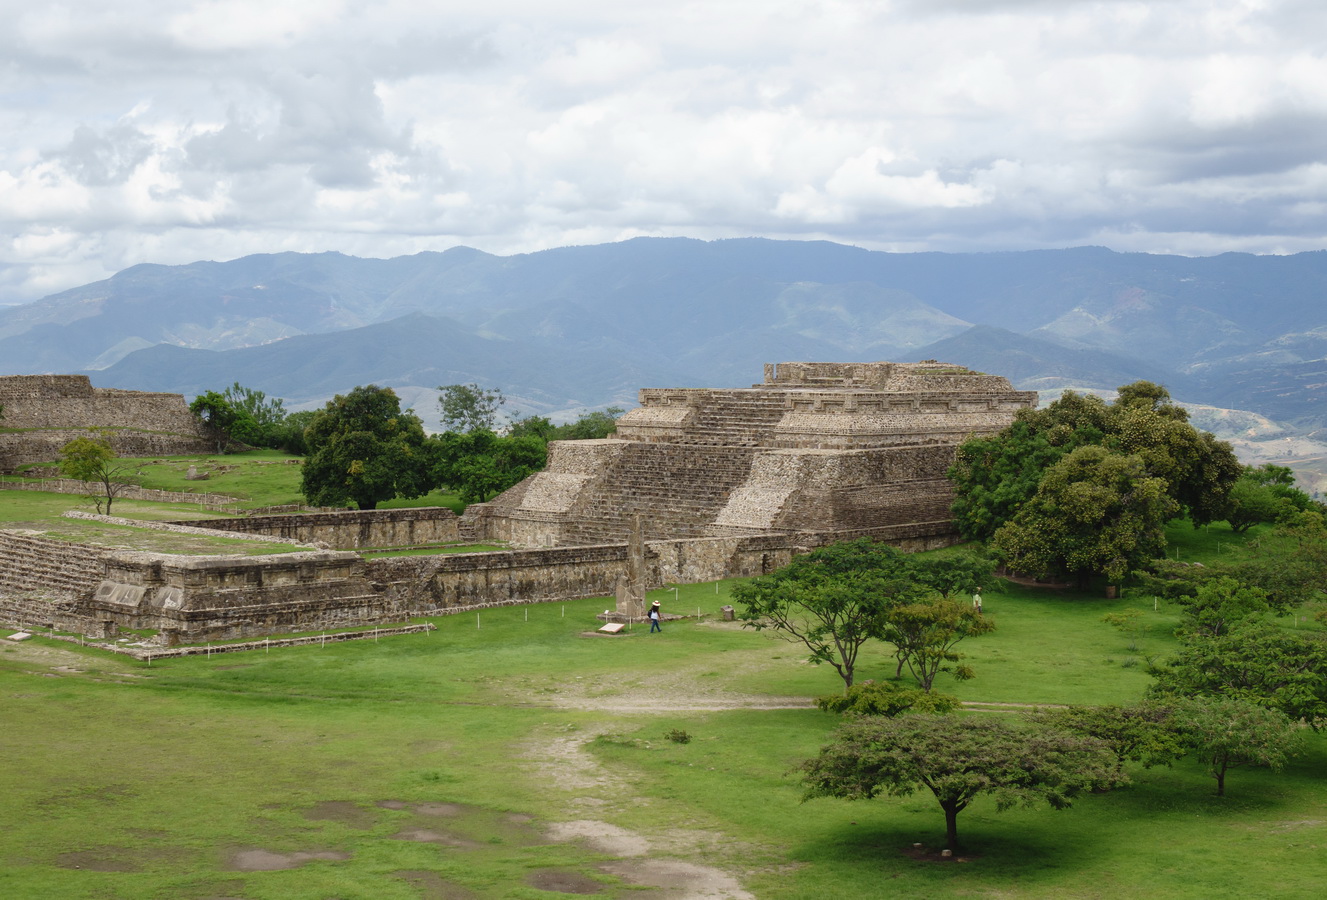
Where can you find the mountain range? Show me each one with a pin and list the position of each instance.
(577, 328)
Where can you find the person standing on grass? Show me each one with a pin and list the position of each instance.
(976, 602)
(654, 618)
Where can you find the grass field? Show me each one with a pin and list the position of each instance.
(258, 478)
(510, 755)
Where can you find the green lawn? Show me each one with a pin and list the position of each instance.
(258, 478)
(433, 765)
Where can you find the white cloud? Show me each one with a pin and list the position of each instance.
(149, 131)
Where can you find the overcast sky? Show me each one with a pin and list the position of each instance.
(175, 130)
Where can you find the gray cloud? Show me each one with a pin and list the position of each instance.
(172, 132)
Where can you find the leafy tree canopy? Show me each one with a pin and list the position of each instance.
(832, 601)
(1142, 733)
(364, 448)
(469, 407)
(1264, 494)
(1227, 732)
(958, 759)
(93, 460)
(1094, 512)
(995, 476)
(1279, 668)
(478, 464)
(926, 632)
(883, 698)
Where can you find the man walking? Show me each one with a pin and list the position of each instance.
(654, 618)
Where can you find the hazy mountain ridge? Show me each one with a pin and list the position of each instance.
(585, 326)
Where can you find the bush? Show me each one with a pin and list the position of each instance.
(872, 698)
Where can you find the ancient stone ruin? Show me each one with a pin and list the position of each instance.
(696, 486)
(48, 411)
(817, 447)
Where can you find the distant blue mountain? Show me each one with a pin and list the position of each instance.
(584, 326)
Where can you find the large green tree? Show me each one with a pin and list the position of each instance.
(1094, 512)
(478, 464)
(364, 448)
(997, 475)
(831, 601)
(1142, 733)
(958, 759)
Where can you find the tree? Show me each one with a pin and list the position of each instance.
(479, 464)
(362, 447)
(1142, 733)
(925, 633)
(1095, 512)
(1274, 667)
(832, 601)
(1218, 603)
(469, 407)
(996, 475)
(248, 416)
(957, 759)
(217, 413)
(92, 459)
(1226, 732)
(1265, 494)
(590, 426)
(960, 573)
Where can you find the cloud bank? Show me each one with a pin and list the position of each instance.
(153, 131)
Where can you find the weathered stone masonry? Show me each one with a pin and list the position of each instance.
(350, 529)
(52, 410)
(74, 587)
(729, 483)
(816, 447)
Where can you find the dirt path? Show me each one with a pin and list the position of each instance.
(653, 860)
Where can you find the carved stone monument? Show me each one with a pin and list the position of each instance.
(631, 586)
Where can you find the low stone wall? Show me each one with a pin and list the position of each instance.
(45, 582)
(453, 581)
(128, 492)
(351, 529)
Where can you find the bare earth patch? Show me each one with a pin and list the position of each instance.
(432, 886)
(258, 860)
(349, 814)
(563, 882)
(562, 760)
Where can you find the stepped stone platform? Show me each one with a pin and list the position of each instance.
(42, 413)
(816, 447)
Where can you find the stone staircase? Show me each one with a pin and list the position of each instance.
(743, 418)
(53, 567)
(681, 485)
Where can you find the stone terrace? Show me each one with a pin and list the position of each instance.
(820, 446)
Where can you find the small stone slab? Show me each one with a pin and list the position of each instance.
(612, 628)
(19, 636)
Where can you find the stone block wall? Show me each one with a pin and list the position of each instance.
(215, 598)
(351, 529)
(52, 410)
(870, 445)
